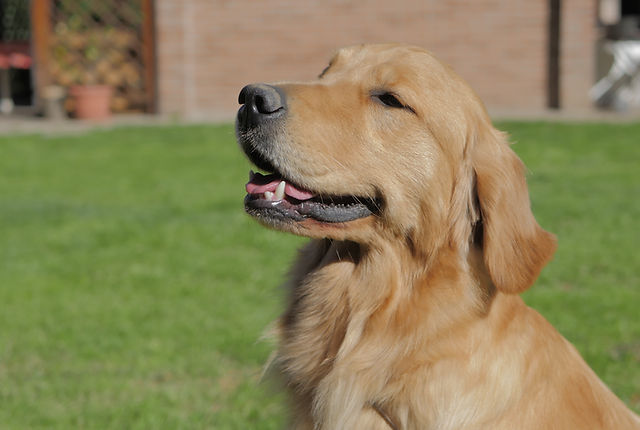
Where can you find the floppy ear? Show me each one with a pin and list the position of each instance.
(515, 247)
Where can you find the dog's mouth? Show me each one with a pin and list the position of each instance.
(274, 198)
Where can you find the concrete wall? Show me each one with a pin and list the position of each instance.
(208, 49)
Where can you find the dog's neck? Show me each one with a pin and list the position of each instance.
(341, 292)
(381, 276)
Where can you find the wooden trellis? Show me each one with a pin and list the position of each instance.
(99, 42)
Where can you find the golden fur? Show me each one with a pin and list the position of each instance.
(410, 319)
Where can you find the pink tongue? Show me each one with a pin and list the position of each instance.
(296, 193)
(259, 183)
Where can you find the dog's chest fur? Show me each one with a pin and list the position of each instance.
(343, 360)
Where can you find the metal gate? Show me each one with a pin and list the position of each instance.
(15, 58)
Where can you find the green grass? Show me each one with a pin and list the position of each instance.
(133, 289)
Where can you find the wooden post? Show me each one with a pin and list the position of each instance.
(148, 55)
(553, 52)
(40, 41)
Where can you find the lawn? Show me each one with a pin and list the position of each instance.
(133, 289)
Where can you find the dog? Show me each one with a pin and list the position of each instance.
(403, 310)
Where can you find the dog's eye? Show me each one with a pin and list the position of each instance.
(389, 99)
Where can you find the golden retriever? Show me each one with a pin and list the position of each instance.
(404, 310)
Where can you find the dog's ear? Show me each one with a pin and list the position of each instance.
(515, 247)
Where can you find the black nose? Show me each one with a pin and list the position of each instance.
(261, 103)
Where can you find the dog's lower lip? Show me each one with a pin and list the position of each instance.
(333, 210)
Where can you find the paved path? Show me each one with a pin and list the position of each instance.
(23, 123)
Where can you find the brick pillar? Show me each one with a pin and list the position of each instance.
(170, 40)
(579, 34)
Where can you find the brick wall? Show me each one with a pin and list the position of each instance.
(207, 50)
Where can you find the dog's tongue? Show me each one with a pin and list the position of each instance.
(259, 183)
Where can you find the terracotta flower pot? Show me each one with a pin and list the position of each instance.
(92, 101)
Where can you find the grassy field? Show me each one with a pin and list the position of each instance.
(133, 289)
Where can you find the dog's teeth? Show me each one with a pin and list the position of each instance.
(268, 196)
(279, 194)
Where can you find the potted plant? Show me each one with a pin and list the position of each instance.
(79, 63)
(92, 99)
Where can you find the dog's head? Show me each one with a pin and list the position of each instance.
(389, 144)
